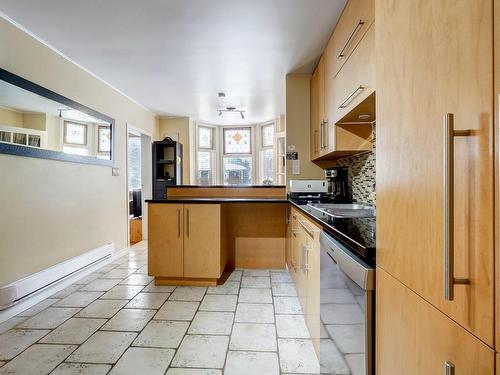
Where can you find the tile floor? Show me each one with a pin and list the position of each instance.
(116, 321)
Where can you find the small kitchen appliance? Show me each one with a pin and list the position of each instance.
(338, 187)
(308, 190)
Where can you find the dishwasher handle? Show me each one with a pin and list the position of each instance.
(357, 270)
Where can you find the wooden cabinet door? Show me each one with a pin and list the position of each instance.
(315, 116)
(356, 19)
(165, 241)
(312, 313)
(202, 240)
(414, 338)
(435, 57)
(355, 82)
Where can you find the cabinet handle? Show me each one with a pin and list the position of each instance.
(187, 222)
(449, 368)
(321, 146)
(449, 210)
(351, 97)
(326, 141)
(315, 140)
(354, 32)
(178, 222)
(307, 230)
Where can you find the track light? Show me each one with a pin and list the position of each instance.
(220, 113)
(242, 115)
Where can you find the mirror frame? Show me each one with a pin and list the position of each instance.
(19, 150)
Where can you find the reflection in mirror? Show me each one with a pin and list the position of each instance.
(36, 122)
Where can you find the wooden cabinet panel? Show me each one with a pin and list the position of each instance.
(435, 57)
(414, 338)
(355, 82)
(202, 240)
(165, 240)
(315, 114)
(356, 19)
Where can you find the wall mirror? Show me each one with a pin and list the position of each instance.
(37, 122)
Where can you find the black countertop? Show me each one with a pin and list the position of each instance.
(357, 234)
(218, 200)
(227, 186)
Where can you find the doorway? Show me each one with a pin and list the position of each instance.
(139, 188)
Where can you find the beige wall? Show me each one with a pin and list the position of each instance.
(35, 121)
(178, 128)
(297, 126)
(11, 118)
(53, 210)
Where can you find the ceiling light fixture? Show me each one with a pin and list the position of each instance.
(233, 110)
(221, 95)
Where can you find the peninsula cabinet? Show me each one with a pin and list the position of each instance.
(185, 242)
(416, 339)
(435, 234)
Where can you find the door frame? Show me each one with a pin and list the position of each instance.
(146, 171)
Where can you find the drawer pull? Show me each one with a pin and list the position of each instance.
(351, 97)
(449, 368)
(354, 32)
(307, 230)
(449, 198)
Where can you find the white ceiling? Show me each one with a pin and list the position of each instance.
(173, 56)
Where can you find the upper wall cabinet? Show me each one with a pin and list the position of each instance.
(343, 86)
(356, 20)
(37, 122)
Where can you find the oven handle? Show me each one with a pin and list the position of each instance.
(357, 270)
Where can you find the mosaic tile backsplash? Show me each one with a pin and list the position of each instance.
(362, 175)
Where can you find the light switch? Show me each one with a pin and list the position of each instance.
(115, 171)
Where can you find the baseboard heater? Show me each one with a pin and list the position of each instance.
(19, 290)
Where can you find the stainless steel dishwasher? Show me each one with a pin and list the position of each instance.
(347, 310)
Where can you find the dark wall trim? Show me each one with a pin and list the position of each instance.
(12, 149)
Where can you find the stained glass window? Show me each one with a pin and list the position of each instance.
(205, 137)
(104, 139)
(237, 141)
(75, 134)
(268, 135)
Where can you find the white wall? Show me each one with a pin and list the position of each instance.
(51, 210)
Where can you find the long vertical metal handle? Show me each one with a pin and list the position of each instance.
(315, 135)
(178, 222)
(354, 32)
(449, 368)
(321, 143)
(187, 222)
(327, 141)
(449, 210)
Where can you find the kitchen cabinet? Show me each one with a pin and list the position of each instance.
(185, 241)
(357, 17)
(305, 269)
(419, 339)
(342, 82)
(165, 240)
(202, 241)
(435, 57)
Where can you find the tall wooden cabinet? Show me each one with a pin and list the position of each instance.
(433, 58)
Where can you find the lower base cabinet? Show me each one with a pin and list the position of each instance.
(186, 241)
(303, 264)
(414, 338)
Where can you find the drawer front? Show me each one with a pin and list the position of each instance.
(355, 82)
(355, 21)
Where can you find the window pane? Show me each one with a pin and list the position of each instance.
(237, 170)
(134, 160)
(34, 140)
(205, 168)
(19, 138)
(267, 165)
(75, 133)
(104, 139)
(267, 135)
(205, 137)
(5, 136)
(75, 150)
(237, 141)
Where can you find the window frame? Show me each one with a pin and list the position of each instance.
(65, 133)
(213, 152)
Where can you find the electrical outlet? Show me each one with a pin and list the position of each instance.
(115, 171)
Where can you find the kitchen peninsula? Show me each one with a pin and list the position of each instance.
(198, 231)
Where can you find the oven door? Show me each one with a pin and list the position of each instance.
(347, 311)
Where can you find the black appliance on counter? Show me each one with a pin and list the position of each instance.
(167, 166)
(338, 185)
